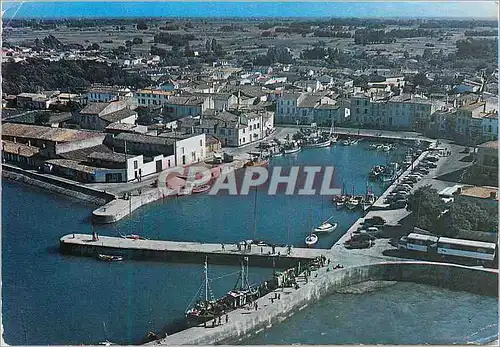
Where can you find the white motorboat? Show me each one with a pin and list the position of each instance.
(325, 228)
(311, 240)
(346, 142)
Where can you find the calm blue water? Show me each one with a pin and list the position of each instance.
(53, 299)
(406, 313)
(68, 9)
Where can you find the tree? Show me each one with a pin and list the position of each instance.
(427, 206)
(142, 26)
(137, 41)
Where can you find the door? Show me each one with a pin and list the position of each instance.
(158, 166)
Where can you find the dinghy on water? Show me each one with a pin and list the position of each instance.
(311, 240)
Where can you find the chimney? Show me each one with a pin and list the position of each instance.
(29, 142)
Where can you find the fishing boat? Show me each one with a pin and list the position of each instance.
(317, 143)
(209, 308)
(369, 200)
(291, 150)
(106, 257)
(373, 146)
(334, 139)
(326, 227)
(347, 142)
(311, 240)
(201, 189)
(352, 203)
(340, 200)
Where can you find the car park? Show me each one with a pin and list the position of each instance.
(399, 204)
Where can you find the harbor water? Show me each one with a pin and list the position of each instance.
(49, 298)
(404, 313)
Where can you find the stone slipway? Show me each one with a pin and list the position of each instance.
(244, 323)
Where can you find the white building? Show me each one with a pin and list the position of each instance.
(148, 97)
(108, 94)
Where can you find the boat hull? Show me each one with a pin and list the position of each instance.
(291, 151)
(317, 145)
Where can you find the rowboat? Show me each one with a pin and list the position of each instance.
(133, 237)
(311, 240)
(201, 189)
(261, 162)
(106, 257)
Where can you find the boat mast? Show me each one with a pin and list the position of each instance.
(255, 214)
(206, 280)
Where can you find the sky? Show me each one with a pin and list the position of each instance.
(259, 9)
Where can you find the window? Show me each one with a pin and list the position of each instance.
(201, 143)
(182, 150)
(244, 130)
(366, 110)
(135, 165)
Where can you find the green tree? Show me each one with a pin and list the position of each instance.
(427, 206)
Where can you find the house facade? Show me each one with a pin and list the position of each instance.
(97, 116)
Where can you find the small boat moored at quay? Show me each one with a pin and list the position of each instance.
(201, 189)
(311, 240)
(133, 237)
(110, 258)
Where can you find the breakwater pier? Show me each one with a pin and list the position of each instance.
(245, 322)
(82, 244)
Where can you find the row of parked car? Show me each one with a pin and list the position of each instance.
(398, 198)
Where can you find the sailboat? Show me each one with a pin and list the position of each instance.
(106, 342)
(326, 227)
(203, 310)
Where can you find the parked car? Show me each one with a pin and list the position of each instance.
(402, 243)
(431, 158)
(399, 204)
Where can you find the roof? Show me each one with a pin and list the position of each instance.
(142, 138)
(472, 106)
(31, 95)
(309, 101)
(186, 100)
(81, 154)
(449, 191)
(19, 148)
(210, 140)
(422, 237)
(110, 157)
(290, 96)
(118, 115)
(46, 133)
(490, 144)
(95, 107)
(480, 192)
(470, 243)
(71, 164)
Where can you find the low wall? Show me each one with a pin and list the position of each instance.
(57, 186)
(451, 276)
(120, 208)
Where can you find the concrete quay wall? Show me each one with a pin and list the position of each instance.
(59, 186)
(83, 245)
(244, 324)
(120, 208)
